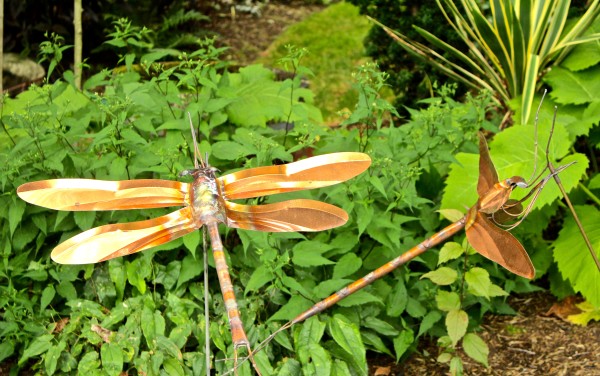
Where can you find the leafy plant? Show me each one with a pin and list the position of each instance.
(507, 51)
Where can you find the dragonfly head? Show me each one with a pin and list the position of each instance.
(516, 181)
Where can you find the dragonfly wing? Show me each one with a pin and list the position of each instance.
(499, 246)
(90, 194)
(309, 173)
(110, 241)
(488, 176)
(286, 216)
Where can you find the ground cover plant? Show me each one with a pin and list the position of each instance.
(143, 313)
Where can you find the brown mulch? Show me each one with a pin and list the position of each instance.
(526, 344)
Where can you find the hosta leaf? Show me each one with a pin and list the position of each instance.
(572, 256)
(574, 87)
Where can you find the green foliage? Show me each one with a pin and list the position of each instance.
(507, 48)
(410, 78)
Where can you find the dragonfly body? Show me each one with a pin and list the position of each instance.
(205, 202)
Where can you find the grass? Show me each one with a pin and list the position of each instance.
(334, 38)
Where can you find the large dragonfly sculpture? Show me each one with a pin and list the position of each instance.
(483, 228)
(206, 203)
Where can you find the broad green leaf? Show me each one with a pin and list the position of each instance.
(15, 213)
(447, 301)
(380, 326)
(359, 298)
(476, 348)
(573, 87)
(231, 151)
(479, 282)
(347, 335)
(67, 290)
(39, 345)
(310, 334)
(457, 321)
(52, 356)
(456, 366)
(47, 296)
(452, 215)
(403, 342)
(572, 256)
(296, 305)
(260, 276)
(112, 358)
(89, 363)
(153, 325)
(7, 348)
(373, 340)
(192, 241)
(346, 265)
(190, 269)
(450, 251)
(340, 368)
(173, 367)
(428, 321)
(397, 300)
(168, 347)
(442, 276)
(309, 253)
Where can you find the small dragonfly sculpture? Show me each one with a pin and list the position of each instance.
(206, 203)
(481, 222)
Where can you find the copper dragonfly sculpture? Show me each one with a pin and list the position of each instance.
(206, 203)
(482, 223)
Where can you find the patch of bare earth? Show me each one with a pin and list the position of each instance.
(248, 35)
(526, 344)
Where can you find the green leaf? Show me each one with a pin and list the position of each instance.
(476, 348)
(428, 321)
(84, 219)
(39, 345)
(403, 342)
(190, 269)
(173, 367)
(47, 296)
(447, 301)
(572, 256)
(192, 241)
(7, 348)
(573, 87)
(479, 282)
(397, 300)
(231, 151)
(452, 215)
(112, 358)
(346, 265)
(89, 362)
(450, 251)
(308, 253)
(442, 276)
(168, 346)
(153, 325)
(260, 276)
(67, 290)
(457, 321)
(15, 213)
(347, 335)
(52, 356)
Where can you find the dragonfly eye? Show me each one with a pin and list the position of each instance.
(516, 181)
